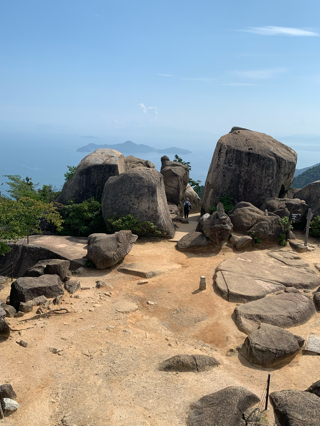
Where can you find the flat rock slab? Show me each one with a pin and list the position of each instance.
(125, 306)
(296, 408)
(313, 344)
(145, 270)
(223, 408)
(253, 275)
(283, 310)
(189, 363)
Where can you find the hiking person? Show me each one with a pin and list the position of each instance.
(187, 208)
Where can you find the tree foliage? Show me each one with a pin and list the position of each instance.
(129, 222)
(194, 183)
(22, 217)
(19, 188)
(81, 220)
(69, 173)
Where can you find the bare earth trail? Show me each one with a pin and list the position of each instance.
(106, 368)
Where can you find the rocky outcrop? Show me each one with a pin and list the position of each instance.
(27, 288)
(91, 175)
(107, 250)
(285, 206)
(248, 219)
(248, 166)
(139, 192)
(217, 227)
(189, 363)
(283, 310)
(240, 242)
(311, 195)
(194, 199)
(296, 408)
(132, 162)
(175, 177)
(222, 408)
(49, 266)
(203, 218)
(270, 345)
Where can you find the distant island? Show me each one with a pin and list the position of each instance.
(133, 148)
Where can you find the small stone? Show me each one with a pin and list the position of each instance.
(57, 300)
(39, 311)
(19, 314)
(100, 284)
(107, 293)
(85, 288)
(4, 329)
(40, 300)
(78, 271)
(232, 353)
(9, 310)
(9, 404)
(54, 350)
(76, 296)
(151, 303)
(26, 306)
(23, 343)
(72, 286)
(6, 391)
(143, 282)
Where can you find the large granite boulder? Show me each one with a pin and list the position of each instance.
(270, 345)
(248, 166)
(91, 175)
(311, 195)
(131, 162)
(49, 266)
(195, 242)
(194, 199)
(246, 219)
(223, 408)
(283, 310)
(285, 206)
(175, 177)
(27, 288)
(188, 363)
(217, 227)
(296, 408)
(314, 388)
(139, 192)
(107, 250)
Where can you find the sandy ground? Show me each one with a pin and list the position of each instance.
(106, 369)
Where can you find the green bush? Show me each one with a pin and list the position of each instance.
(81, 220)
(129, 222)
(282, 239)
(255, 238)
(315, 227)
(227, 202)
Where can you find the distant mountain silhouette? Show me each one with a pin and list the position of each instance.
(310, 175)
(133, 148)
(299, 171)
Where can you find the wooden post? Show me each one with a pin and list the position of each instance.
(309, 217)
(267, 395)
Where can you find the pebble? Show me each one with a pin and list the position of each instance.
(23, 343)
(143, 282)
(9, 404)
(151, 303)
(85, 288)
(107, 293)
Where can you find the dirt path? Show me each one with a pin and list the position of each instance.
(106, 368)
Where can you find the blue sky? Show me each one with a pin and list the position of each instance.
(161, 72)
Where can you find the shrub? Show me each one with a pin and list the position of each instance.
(129, 222)
(227, 202)
(282, 239)
(315, 227)
(255, 238)
(81, 220)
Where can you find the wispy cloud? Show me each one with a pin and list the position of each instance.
(89, 137)
(260, 74)
(30, 168)
(239, 84)
(197, 79)
(166, 75)
(145, 109)
(275, 31)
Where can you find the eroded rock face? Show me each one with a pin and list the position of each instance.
(270, 345)
(27, 288)
(311, 195)
(225, 407)
(246, 219)
(296, 408)
(189, 363)
(194, 198)
(107, 250)
(283, 310)
(132, 162)
(284, 206)
(91, 175)
(248, 166)
(217, 227)
(176, 178)
(139, 192)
